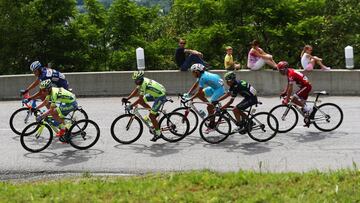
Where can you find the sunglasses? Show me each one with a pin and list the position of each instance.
(182, 43)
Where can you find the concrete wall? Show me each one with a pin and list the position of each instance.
(267, 82)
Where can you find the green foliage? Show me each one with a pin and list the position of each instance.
(105, 37)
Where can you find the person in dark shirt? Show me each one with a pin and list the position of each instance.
(184, 58)
(242, 88)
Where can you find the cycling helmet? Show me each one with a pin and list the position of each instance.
(197, 67)
(45, 84)
(230, 76)
(282, 65)
(138, 75)
(35, 65)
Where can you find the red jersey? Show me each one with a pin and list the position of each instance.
(297, 77)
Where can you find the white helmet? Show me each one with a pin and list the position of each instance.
(35, 65)
(197, 67)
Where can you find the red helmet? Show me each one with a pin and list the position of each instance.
(282, 65)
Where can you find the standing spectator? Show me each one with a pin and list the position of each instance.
(308, 61)
(186, 57)
(258, 57)
(229, 61)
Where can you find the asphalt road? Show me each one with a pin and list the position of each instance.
(302, 149)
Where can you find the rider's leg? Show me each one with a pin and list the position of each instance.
(207, 92)
(154, 111)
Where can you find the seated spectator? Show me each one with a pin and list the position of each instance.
(184, 58)
(257, 57)
(308, 61)
(229, 61)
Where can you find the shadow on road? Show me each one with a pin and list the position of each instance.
(67, 157)
(315, 136)
(154, 150)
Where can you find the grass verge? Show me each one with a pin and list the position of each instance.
(197, 186)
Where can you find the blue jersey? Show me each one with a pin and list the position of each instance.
(55, 76)
(211, 80)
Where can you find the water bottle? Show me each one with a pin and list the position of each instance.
(202, 113)
(147, 120)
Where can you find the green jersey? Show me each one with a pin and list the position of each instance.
(60, 95)
(151, 87)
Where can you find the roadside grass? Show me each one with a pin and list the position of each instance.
(195, 186)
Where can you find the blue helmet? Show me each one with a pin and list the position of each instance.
(35, 65)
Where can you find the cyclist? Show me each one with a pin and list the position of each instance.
(295, 77)
(61, 101)
(148, 90)
(242, 88)
(210, 85)
(42, 73)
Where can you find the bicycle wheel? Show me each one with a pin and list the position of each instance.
(327, 117)
(286, 116)
(174, 126)
(20, 119)
(83, 138)
(191, 116)
(36, 137)
(126, 128)
(216, 132)
(262, 126)
(79, 114)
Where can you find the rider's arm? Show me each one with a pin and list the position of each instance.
(35, 96)
(44, 103)
(33, 85)
(228, 103)
(289, 91)
(133, 93)
(195, 85)
(197, 93)
(226, 95)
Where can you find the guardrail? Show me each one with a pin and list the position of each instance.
(117, 83)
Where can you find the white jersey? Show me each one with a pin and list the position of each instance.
(305, 60)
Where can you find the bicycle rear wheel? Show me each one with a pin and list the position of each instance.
(191, 116)
(286, 116)
(20, 119)
(126, 129)
(262, 126)
(36, 137)
(215, 128)
(174, 127)
(83, 138)
(327, 117)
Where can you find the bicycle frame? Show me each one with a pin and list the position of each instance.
(191, 105)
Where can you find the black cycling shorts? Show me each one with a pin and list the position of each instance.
(246, 103)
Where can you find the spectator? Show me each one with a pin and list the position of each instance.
(308, 61)
(184, 58)
(229, 61)
(258, 57)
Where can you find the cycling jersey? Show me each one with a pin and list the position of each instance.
(60, 95)
(242, 88)
(295, 77)
(151, 87)
(63, 100)
(210, 79)
(55, 76)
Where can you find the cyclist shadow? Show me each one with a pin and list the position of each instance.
(248, 148)
(315, 136)
(65, 158)
(154, 150)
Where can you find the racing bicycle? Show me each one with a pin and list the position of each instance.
(128, 128)
(325, 117)
(81, 134)
(261, 126)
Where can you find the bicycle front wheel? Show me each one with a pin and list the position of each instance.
(79, 114)
(327, 117)
(20, 119)
(81, 138)
(174, 127)
(191, 116)
(215, 128)
(36, 137)
(286, 116)
(126, 129)
(262, 127)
